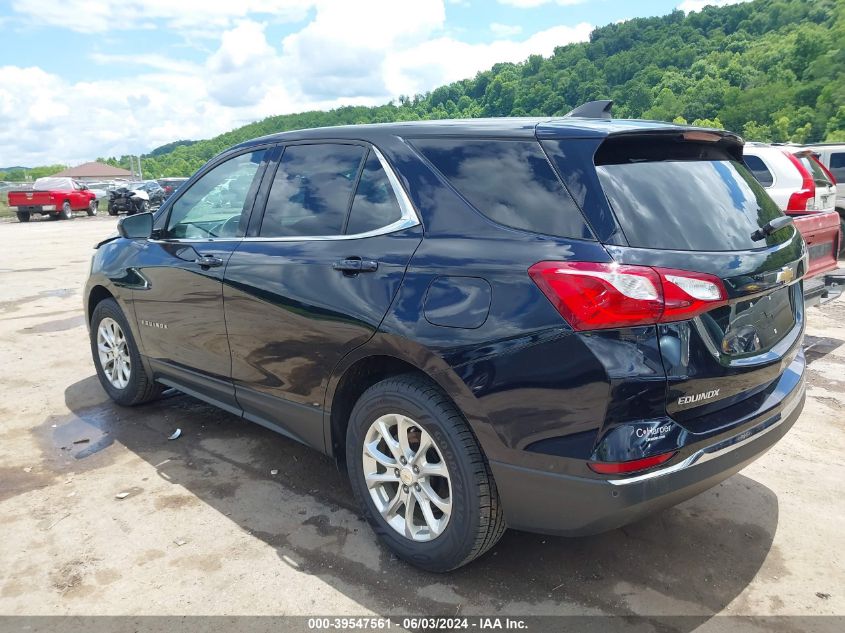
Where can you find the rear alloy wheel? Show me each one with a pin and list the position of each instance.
(419, 475)
(66, 212)
(23, 216)
(93, 207)
(413, 493)
(117, 359)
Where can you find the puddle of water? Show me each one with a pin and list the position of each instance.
(80, 438)
(13, 304)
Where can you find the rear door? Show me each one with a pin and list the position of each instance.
(314, 279)
(689, 203)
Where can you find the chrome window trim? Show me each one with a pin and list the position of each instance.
(408, 218)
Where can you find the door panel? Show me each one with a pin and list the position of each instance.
(297, 299)
(180, 308)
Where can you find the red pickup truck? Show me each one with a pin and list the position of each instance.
(53, 196)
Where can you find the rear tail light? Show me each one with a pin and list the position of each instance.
(594, 296)
(635, 465)
(801, 200)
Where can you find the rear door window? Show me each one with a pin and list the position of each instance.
(312, 190)
(759, 170)
(510, 182)
(684, 196)
(374, 205)
(837, 166)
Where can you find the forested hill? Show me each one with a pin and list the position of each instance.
(769, 69)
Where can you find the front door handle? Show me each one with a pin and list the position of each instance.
(356, 265)
(208, 261)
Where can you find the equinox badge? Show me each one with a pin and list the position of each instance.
(699, 396)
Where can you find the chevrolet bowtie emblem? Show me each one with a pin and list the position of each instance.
(785, 275)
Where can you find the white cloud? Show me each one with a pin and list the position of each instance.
(505, 30)
(444, 59)
(697, 5)
(530, 4)
(343, 56)
(86, 16)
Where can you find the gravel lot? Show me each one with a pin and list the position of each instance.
(207, 529)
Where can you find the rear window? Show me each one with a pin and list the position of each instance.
(684, 196)
(510, 182)
(759, 170)
(814, 167)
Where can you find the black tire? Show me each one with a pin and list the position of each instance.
(67, 212)
(141, 387)
(476, 522)
(110, 209)
(145, 206)
(93, 207)
(23, 216)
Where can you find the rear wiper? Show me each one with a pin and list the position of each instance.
(770, 227)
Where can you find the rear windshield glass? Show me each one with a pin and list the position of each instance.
(684, 196)
(815, 169)
(510, 182)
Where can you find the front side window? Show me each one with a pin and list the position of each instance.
(312, 190)
(214, 204)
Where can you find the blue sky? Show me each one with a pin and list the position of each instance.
(84, 78)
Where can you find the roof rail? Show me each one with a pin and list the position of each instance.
(592, 110)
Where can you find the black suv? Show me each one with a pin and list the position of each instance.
(557, 325)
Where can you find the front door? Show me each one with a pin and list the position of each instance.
(180, 311)
(331, 251)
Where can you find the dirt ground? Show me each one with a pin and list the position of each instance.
(207, 528)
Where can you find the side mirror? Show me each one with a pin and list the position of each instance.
(138, 226)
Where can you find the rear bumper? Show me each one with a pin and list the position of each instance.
(552, 503)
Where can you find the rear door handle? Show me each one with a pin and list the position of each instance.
(208, 261)
(356, 265)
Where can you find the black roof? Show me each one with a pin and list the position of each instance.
(504, 127)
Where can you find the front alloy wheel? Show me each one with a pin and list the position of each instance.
(120, 367)
(114, 354)
(407, 478)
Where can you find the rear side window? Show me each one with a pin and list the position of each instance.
(759, 170)
(375, 205)
(311, 190)
(837, 166)
(683, 195)
(510, 182)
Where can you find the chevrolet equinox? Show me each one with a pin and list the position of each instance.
(557, 325)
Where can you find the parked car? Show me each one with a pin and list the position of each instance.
(553, 325)
(56, 197)
(171, 184)
(154, 190)
(797, 182)
(128, 201)
(832, 156)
